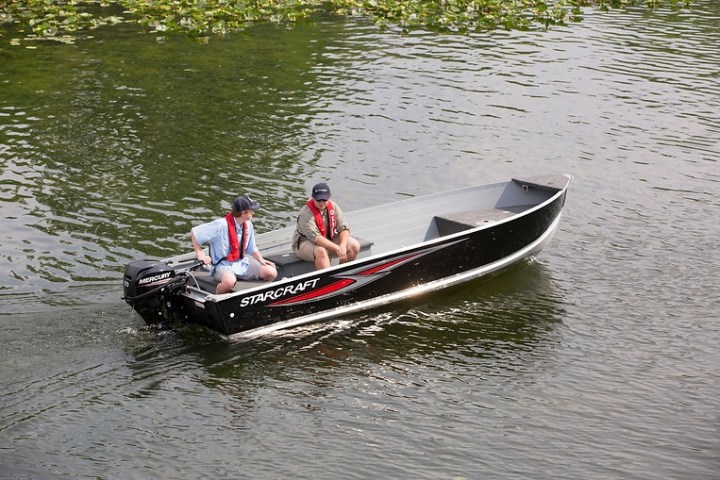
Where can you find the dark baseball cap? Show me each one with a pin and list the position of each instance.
(321, 191)
(244, 202)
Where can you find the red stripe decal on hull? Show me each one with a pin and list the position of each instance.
(326, 290)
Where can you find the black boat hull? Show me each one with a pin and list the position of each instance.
(372, 281)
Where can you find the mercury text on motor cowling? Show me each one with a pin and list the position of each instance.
(154, 278)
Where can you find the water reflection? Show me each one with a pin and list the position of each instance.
(496, 324)
(109, 156)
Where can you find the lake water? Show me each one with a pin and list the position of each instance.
(599, 360)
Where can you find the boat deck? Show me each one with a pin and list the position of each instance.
(403, 224)
(289, 265)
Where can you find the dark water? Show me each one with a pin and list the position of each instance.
(599, 360)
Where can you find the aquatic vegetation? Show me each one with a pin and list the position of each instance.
(61, 20)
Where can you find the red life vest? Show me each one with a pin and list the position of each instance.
(332, 217)
(237, 249)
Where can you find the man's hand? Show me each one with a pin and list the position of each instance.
(203, 258)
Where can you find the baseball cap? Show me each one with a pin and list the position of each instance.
(321, 191)
(244, 202)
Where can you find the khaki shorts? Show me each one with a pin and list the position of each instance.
(307, 250)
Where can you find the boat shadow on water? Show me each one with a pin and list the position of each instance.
(517, 310)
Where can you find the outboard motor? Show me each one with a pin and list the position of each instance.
(146, 286)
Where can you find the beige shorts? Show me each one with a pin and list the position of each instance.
(306, 251)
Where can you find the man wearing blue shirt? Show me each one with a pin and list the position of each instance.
(233, 253)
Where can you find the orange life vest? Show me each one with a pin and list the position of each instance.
(332, 217)
(237, 249)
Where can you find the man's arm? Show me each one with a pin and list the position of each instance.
(199, 254)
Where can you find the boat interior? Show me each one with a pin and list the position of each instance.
(402, 224)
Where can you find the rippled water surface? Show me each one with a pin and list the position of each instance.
(598, 360)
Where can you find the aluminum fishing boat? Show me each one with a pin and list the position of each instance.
(409, 248)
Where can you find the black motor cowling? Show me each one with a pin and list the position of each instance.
(147, 285)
